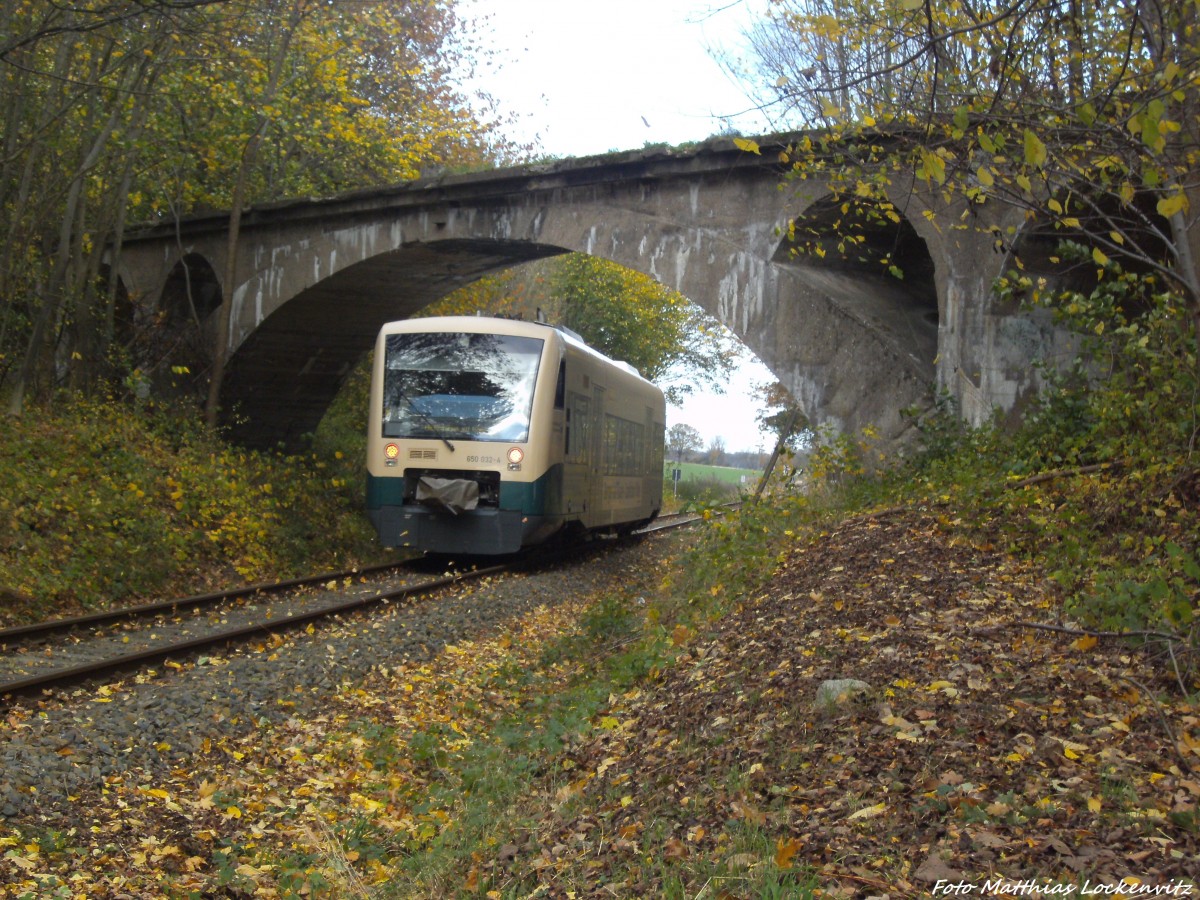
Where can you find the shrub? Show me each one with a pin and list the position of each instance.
(691, 494)
(100, 504)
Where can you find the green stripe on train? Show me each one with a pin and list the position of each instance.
(525, 497)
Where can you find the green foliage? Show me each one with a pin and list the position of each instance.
(683, 441)
(99, 505)
(1159, 590)
(698, 493)
(942, 431)
(848, 471)
(1083, 117)
(779, 413)
(358, 76)
(341, 437)
(624, 314)
(736, 552)
(142, 112)
(612, 622)
(504, 293)
(631, 317)
(699, 471)
(1139, 368)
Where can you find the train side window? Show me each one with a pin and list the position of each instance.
(623, 446)
(653, 444)
(579, 428)
(560, 390)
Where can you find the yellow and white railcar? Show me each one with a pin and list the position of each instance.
(487, 435)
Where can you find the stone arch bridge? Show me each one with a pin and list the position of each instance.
(316, 279)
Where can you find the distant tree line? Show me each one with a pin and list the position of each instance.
(685, 444)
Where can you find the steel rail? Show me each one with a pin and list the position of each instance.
(53, 626)
(10, 690)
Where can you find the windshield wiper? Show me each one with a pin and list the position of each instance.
(433, 426)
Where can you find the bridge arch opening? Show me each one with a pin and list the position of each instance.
(564, 288)
(725, 423)
(863, 237)
(859, 282)
(1061, 257)
(870, 244)
(192, 291)
(178, 351)
(123, 314)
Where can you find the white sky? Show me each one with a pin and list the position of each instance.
(586, 77)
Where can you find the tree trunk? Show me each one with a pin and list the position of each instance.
(59, 277)
(212, 408)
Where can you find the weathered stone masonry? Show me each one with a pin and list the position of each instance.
(315, 279)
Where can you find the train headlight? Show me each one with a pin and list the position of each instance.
(515, 455)
(390, 453)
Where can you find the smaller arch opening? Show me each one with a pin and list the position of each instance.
(870, 262)
(865, 241)
(122, 323)
(1062, 254)
(865, 237)
(175, 353)
(192, 291)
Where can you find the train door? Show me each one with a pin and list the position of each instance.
(652, 463)
(597, 505)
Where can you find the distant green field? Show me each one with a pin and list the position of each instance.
(700, 472)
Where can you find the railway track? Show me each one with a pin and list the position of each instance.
(64, 652)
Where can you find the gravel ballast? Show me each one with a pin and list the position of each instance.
(152, 721)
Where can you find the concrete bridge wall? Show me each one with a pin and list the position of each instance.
(316, 279)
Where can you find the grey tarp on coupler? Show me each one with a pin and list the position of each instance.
(454, 495)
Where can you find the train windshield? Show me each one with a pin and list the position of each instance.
(468, 386)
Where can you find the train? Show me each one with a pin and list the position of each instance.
(490, 436)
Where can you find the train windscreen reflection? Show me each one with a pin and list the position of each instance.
(459, 386)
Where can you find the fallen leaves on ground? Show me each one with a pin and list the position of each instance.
(324, 804)
(984, 750)
(980, 750)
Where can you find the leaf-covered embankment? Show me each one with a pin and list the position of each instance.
(983, 749)
(101, 503)
(527, 760)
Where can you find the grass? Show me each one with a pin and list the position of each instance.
(496, 789)
(690, 471)
(703, 485)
